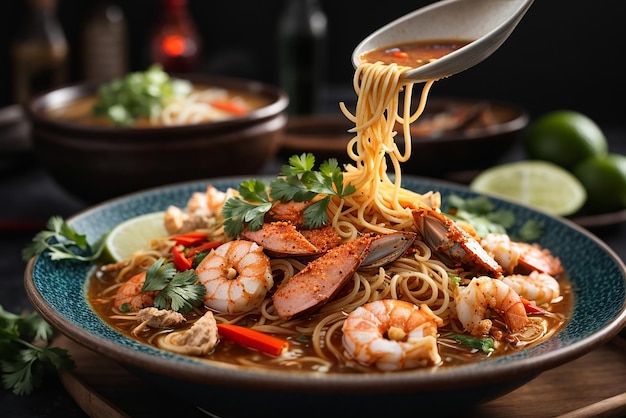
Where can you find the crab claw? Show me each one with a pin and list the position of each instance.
(321, 279)
(452, 244)
(388, 248)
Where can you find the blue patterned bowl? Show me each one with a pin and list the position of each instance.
(598, 277)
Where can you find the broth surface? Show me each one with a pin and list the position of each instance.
(80, 111)
(414, 54)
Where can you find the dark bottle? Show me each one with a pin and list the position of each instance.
(39, 52)
(302, 36)
(105, 42)
(176, 44)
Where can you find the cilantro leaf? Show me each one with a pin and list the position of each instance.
(24, 364)
(486, 345)
(63, 243)
(482, 214)
(298, 182)
(178, 291)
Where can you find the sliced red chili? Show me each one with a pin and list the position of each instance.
(531, 308)
(181, 262)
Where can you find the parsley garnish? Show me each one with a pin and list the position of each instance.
(23, 363)
(178, 291)
(63, 242)
(298, 182)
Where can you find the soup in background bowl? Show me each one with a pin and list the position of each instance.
(95, 162)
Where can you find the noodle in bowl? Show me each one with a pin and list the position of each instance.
(597, 315)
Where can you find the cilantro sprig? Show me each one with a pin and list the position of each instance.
(26, 352)
(482, 214)
(298, 182)
(63, 243)
(178, 291)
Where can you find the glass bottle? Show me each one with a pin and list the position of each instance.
(176, 44)
(105, 43)
(39, 51)
(302, 36)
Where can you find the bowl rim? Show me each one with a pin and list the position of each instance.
(296, 135)
(410, 380)
(279, 103)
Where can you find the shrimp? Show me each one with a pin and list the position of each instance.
(483, 293)
(130, 297)
(200, 210)
(236, 275)
(537, 287)
(392, 335)
(513, 256)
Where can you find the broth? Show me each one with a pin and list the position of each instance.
(101, 300)
(414, 54)
(80, 111)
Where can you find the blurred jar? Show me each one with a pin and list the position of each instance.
(105, 43)
(176, 44)
(302, 36)
(39, 52)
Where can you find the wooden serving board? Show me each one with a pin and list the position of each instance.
(591, 386)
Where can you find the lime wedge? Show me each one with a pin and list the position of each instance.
(539, 184)
(134, 234)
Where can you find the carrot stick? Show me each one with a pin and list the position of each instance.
(228, 106)
(203, 247)
(253, 339)
(189, 238)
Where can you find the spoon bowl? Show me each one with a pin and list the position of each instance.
(487, 22)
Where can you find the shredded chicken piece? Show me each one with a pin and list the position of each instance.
(157, 318)
(199, 340)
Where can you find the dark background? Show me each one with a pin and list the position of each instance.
(564, 53)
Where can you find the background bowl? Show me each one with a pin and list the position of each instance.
(95, 163)
(452, 135)
(597, 275)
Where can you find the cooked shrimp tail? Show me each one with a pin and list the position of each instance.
(392, 334)
(236, 275)
(483, 293)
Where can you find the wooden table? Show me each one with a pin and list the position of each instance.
(104, 389)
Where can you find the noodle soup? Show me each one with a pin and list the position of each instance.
(340, 269)
(196, 108)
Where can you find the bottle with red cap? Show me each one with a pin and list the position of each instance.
(176, 45)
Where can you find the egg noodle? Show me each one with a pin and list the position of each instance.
(379, 205)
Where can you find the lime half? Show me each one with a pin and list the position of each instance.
(134, 234)
(539, 184)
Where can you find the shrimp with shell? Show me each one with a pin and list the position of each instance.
(237, 276)
(483, 293)
(392, 334)
(129, 296)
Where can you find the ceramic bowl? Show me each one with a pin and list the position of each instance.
(95, 163)
(597, 275)
(452, 135)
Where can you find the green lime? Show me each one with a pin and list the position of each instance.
(565, 138)
(535, 183)
(134, 234)
(604, 178)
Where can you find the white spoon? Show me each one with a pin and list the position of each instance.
(488, 22)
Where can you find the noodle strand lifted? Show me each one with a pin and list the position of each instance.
(381, 204)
